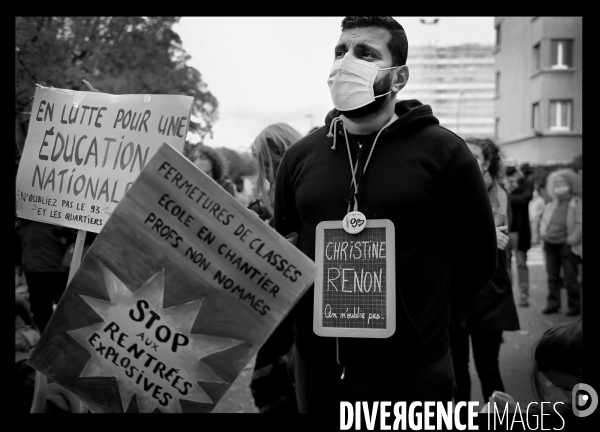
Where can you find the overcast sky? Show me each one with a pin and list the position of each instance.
(265, 70)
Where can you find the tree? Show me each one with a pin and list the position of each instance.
(118, 55)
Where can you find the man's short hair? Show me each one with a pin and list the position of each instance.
(398, 44)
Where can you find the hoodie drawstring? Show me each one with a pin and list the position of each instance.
(353, 171)
(331, 133)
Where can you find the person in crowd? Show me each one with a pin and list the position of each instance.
(527, 171)
(208, 160)
(558, 358)
(538, 203)
(268, 149)
(493, 310)
(43, 247)
(536, 209)
(561, 228)
(272, 389)
(520, 193)
(22, 306)
(390, 160)
(577, 163)
(26, 333)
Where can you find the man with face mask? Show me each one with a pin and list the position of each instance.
(390, 160)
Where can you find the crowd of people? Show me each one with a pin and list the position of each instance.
(492, 310)
(454, 280)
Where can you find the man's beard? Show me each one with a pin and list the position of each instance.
(379, 87)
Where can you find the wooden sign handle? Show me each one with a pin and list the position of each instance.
(77, 252)
(75, 261)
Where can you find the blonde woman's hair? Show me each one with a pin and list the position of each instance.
(571, 177)
(268, 148)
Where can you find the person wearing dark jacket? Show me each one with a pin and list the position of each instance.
(492, 311)
(520, 192)
(43, 247)
(416, 174)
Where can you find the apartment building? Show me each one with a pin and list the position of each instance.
(459, 84)
(538, 76)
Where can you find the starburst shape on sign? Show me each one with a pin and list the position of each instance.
(149, 349)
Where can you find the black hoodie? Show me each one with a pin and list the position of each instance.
(425, 180)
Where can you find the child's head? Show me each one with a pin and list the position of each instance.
(559, 357)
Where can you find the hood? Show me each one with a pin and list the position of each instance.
(411, 112)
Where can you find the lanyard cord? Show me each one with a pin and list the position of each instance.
(355, 167)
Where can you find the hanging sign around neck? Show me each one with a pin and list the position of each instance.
(355, 288)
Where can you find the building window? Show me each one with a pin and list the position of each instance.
(498, 35)
(560, 115)
(561, 54)
(537, 64)
(497, 83)
(535, 116)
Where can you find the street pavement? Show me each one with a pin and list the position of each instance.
(516, 352)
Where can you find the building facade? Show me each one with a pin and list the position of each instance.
(538, 101)
(458, 83)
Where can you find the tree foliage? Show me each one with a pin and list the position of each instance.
(118, 55)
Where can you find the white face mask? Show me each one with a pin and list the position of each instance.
(561, 190)
(351, 82)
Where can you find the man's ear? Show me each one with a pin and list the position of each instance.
(401, 78)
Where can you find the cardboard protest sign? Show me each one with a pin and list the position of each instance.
(174, 297)
(355, 290)
(85, 149)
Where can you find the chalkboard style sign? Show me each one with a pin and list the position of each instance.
(355, 289)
